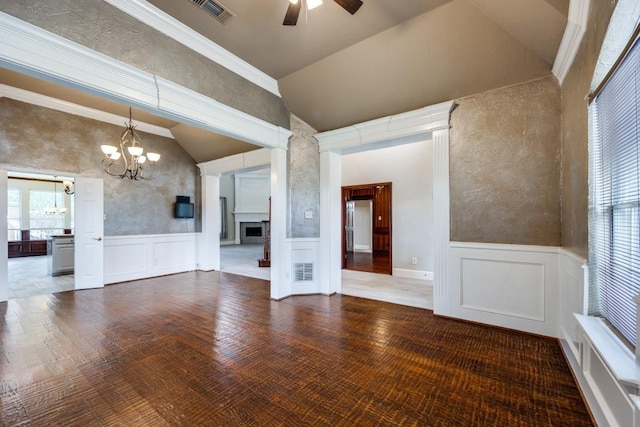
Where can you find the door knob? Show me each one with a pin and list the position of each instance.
(97, 238)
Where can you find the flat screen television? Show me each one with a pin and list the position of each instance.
(183, 210)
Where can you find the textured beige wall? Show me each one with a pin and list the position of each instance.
(41, 139)
(105, 29)
(575, 89)
(303, 181)
(505, 165)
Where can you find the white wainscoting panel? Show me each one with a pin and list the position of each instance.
(305, 251)
(520, 286)
(572, 271)
(138, 257)
(613, 399)
(513, 286)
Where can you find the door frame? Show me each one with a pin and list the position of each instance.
(347, 196)
(4, 255)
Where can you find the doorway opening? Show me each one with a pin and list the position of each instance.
(245, 214)
(40, 223)
(366, 228)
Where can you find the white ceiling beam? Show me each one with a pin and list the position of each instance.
(31, 50)
(171, 27)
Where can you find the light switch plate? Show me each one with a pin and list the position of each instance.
(308, 214)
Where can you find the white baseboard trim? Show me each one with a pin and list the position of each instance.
(227, 242)
(362, 248)
(412, 274)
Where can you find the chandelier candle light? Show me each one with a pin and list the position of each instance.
(55, 209)
(131, 164)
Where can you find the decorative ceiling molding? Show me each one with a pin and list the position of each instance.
(576, 26)
(171, 27)
(31, 50)
(388, 131)
(78, 110)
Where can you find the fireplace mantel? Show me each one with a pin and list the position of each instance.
(252, 199)
(240, 217)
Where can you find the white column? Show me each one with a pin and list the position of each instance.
(236, 229)
(209, 242)
(440, 218)
(280, 247)
(4, 246)
(330, 268)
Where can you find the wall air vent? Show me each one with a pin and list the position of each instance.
(214, 9)
(303, 271)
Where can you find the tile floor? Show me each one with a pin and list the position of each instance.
(384, 287)
(242, 260)
(28, 277)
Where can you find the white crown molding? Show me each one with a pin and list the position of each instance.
(34, 51)
(78, 110)
(389, 131)
(573, 33)
(166, 24)
(29, 49)
(242, 161)
(200, 110)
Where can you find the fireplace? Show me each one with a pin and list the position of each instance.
(251, 232)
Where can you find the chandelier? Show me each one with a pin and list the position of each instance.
(133, 163)
(55, 210)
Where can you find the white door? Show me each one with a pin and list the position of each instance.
(89, 226)
(4, 248)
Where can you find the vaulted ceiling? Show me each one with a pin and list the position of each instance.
(335, 69)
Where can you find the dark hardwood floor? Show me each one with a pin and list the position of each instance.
(201, 349)
(372, 263)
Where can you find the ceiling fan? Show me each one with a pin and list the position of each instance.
(293, 11)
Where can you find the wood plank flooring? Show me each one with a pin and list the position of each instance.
(368, 262)
(210, 348)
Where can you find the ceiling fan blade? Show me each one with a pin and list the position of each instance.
(350, 6)
(293, 11)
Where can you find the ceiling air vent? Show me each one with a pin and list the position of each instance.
(219, 12)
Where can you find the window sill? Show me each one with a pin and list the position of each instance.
(620, 360)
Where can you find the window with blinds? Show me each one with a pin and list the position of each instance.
(614, 200)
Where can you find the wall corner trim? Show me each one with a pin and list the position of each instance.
(169, 26)
(572, 38)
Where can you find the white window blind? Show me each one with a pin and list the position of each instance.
(614, 201)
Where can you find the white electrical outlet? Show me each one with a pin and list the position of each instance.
(308, 214)
(414, 260)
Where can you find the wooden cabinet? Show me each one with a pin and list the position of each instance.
(22, 248)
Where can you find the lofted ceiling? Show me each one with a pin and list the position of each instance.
(335, 69)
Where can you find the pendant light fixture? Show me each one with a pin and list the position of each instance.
(131, 163)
